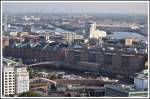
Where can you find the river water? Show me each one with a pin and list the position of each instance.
(115, 35)
(122, 35)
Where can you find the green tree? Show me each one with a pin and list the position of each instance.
(30, 72)
(28, 94)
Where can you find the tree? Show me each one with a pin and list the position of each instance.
(30, 72)
(28, 94)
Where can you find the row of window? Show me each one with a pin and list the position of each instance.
(10, 92)
(9, 78)
(9, 83)
(6, 81)
(9, 72)
(6, 87)
(108, 59)
(10, 89)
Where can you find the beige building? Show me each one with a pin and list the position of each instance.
(98, 34)
(128, 41)
(13, 34)
(23, 34)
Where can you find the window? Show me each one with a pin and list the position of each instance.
(108, 59)
(92, 57)
(124, 61)
(6, 75)
(77, 56)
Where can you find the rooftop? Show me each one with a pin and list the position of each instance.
(10, 62)
(123, 88)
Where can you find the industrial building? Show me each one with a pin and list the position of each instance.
(138, 89)
(120, 90)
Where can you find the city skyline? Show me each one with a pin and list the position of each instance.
(77, 7)
(75, 49)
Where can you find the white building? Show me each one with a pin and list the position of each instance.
(141, 81)
(15, 80)
(71, 36)
(93, 33)
(8, 81)
(90, 28)
(68, 36)
(22, 80)
(98, 34)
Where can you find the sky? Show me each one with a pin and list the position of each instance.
(77, 7)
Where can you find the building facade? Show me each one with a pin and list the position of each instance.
(15, 80)
(8, 80)
(110, 63)
(90, 28)
(21, 80)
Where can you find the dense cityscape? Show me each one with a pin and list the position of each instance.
(74, 55)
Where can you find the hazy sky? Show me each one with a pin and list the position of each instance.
(84, 7)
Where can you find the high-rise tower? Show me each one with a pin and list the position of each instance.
(90, 28)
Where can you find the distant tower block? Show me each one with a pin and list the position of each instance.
(90, 28)
(92, 32)
(5, 24)
(47, 36)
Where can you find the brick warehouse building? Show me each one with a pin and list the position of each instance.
(33, 55)
(82, 59)
(115, 63)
